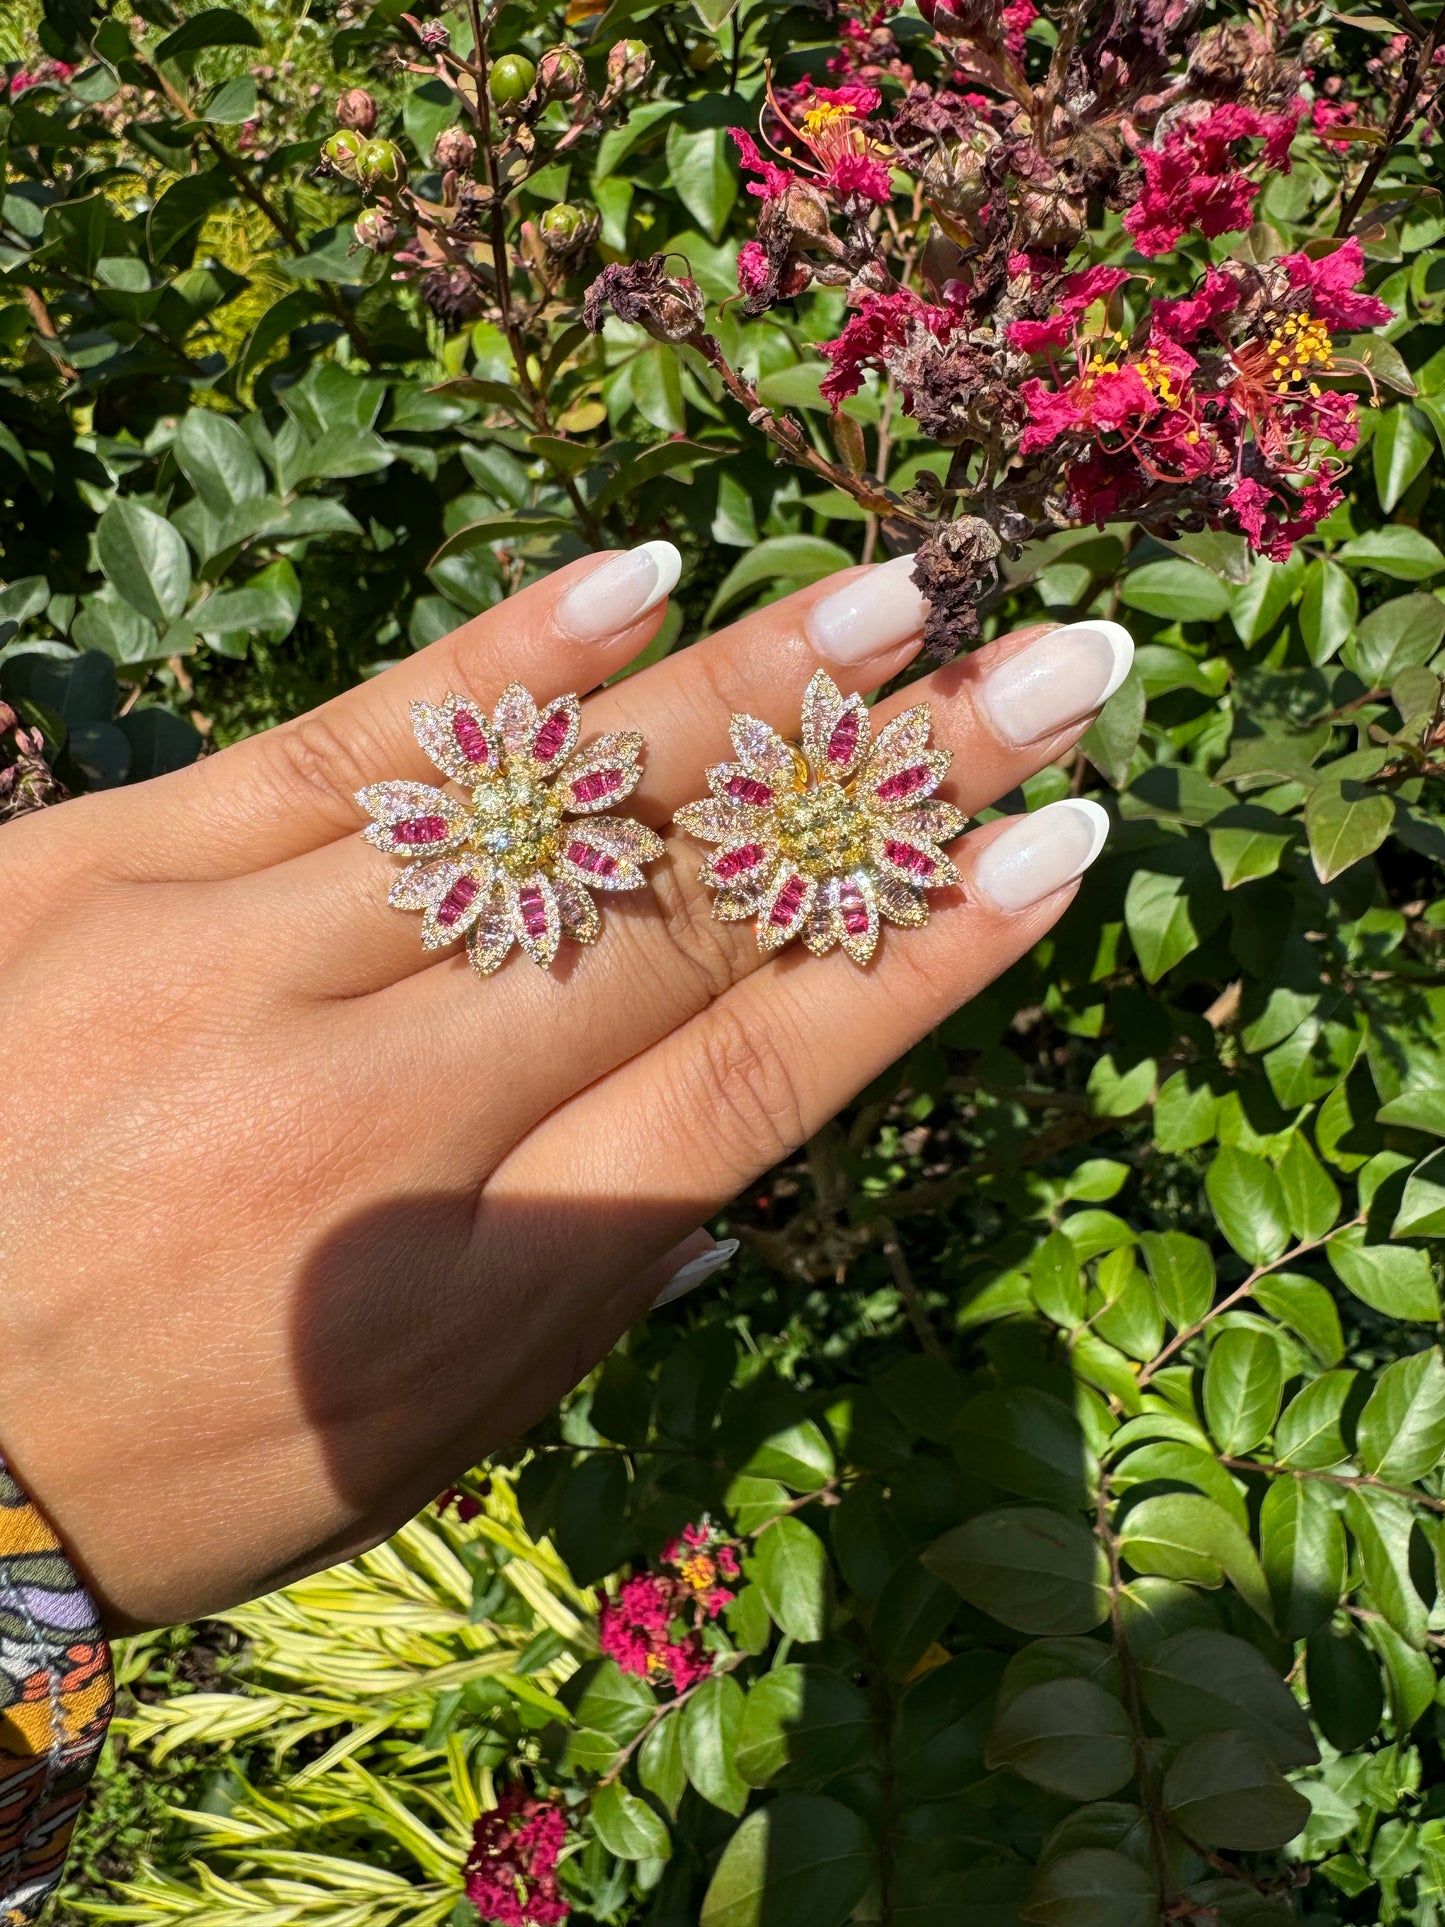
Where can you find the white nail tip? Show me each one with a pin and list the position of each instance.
(697, 1271)
(1094, 814)
(1121, 645)
(668, 563)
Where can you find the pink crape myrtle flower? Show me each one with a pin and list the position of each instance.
(510, 1875)
(653, 1627)
(1194, 181)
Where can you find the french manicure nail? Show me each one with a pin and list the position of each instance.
(693, 1273)
(1039, 853)
(873, 613)
(618, 591)
(1063, 677)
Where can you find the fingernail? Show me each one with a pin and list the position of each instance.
(693, 1274)
(618, 591)
(1041, 852)
(1055, 681)
(872, 613)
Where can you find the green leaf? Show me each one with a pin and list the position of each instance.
(1058, 1281)
(1401, 1433)
(1399, 551)
(656, 376)
(800, 1858)
(1401, 446)
(712, 1723)
(1307, 1308)
(702, 175)
(217, 460)
(1034, 1570)
(146, 559)
(1422, 1208)
(1029, 1443)
(1113, 736)
(628, 1826)
(1170, 912)
(1182, 1535)
(1203, 1681)
(216, 27)
(1224, 1790)
(1310, 1432)
(1346, 1698)
(798, 559)
(1186, 1113)
(714, 13)
(1068, 1736)
(618, 142)
(1345, 822)
(1393, 1279)
(1242, 1384)
(1311, 1196)
(1329, 608)
(1401, 633)
(1248, 841)
(797, 1455)
(659, 1762)
(232, 103)
(1182, 1268)
(1249, 1204)
(1094, 1887)
(1421, 1107)
(1302, 1549)
(1179, 590)
(1182, 1461)
(1263, 599)
(1380, 1526)
(805, 1721)
(789, 1565)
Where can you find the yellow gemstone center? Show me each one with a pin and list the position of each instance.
(516, 823)
(822, 830)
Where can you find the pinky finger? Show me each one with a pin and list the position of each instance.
(742, 1085)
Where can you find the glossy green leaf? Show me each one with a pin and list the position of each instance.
(1036, 1571)
(799, 559)
(1068, 1736)
(1310, 1432)
(1224, 1790)
(1422, 1208)
(712, 1723)
(1249, 1204)
(1401, 1433)
(1094, 1887)
(1242, 1384)
(1380, 1526)
(628, 1826)
(1182, 1535)
(801, 1857)
(789, 1566)
(1343, 1680)
(1394, 1279)
(1302, 1548)
(146, 559)
(1400, 447)
(1210, 1682)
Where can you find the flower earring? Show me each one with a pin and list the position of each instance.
(823, 841)
(516, 863)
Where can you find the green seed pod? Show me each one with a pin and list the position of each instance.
(382, 164)
(566, 229)
(628, 64)
(510, 80)
(342, 153)
(560, 73)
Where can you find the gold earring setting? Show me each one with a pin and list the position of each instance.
(828, 840)
(518, 861)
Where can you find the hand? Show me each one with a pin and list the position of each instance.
(299, 1219)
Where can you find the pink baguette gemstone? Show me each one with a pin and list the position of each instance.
(907, 858)
(458, 900)
(855, 915)
(844, 740)
(551, 736)
(420, 829)
(906, 782)
(601, 782)
(785, 904)
(747, 789)
(587, 857)
(471, 737)
(534, 910)
(733, 862)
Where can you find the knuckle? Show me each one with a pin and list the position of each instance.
(712, 954)
(747, 1092)
(322, 765)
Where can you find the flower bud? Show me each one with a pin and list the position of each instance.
(560, 74)
(510, 80)
(567, 230)
(454, 149)
(452, 296)
(628, 64)
(342, 153)
(357, 110)
(381, 165)
(435, 37)
(376, 230)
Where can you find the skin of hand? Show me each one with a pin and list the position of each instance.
(300, 1220)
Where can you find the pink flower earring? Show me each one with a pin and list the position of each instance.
(518, 861)
(827, 840)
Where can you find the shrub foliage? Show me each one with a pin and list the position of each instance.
(1063, 1461)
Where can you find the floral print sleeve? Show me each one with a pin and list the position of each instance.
(55, 1704)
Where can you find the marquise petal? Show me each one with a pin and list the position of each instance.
(835, 729)
(411, 818)
(785, 907)
(457, 737)
(581, 919)
(536, 919)
(493, 931)
(744, 788)
(515, 721)
(601, 773)
(555, 737)
(457, 908)
(711, 821)
(898, 901)
(763, 751)
(855, 918)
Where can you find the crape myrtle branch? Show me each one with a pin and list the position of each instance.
(1065, 390)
